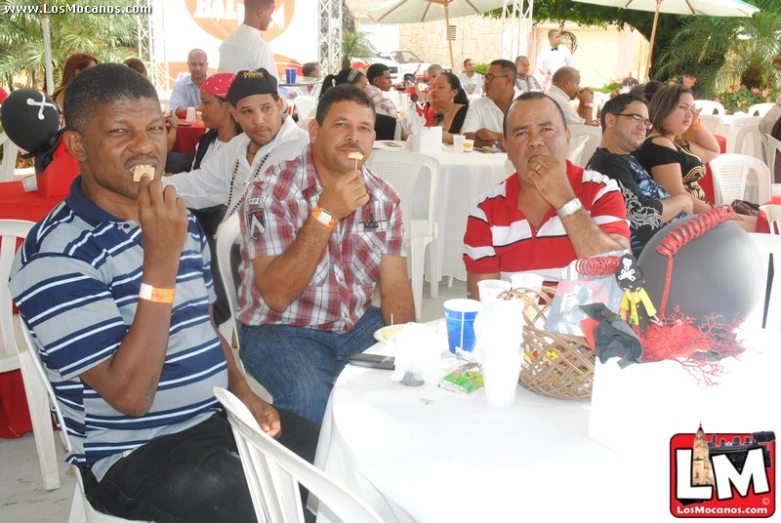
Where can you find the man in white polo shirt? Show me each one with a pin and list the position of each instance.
(485, 117)
(244, 49)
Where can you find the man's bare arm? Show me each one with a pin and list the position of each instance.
(396, 292)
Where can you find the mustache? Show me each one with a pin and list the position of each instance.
(351, 147)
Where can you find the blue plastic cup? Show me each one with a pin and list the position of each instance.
(460, 317)
(290, 75)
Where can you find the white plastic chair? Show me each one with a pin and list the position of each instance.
(14, 355)
(576, 146)
(594, 137)
(747, 127)
(402, 169)
(712, 122)
(81, 510)
(305, 106)
(760, 109)
(769, 246)
(709, 107)
(10, 153)
(773, 213)
(730, 173)
(274, 473)
(228, 233)
(303, 123)
(772, 147)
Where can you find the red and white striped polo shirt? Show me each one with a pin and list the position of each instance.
(499, 238)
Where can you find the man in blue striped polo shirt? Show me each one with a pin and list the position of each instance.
(115, 285)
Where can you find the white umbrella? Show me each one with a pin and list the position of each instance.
(736, 8)
(411, 11)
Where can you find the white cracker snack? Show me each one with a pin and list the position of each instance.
(142, 171)
(355, 156)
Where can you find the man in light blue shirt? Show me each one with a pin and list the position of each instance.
(187, 90)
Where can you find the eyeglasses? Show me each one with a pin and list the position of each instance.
(636, 118)
(490, 77)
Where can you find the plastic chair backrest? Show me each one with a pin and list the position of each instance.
(228, 233)
(747, 126)
(305, 105)
(594, 135)
(730, 172)
(576, 146)
(712, 122)
(772, 147)
(760, 109)
(303, 123)
(10, 232)
(273, 474)
(10, 153)
(709, 107)
(402, 169)
(773, 213)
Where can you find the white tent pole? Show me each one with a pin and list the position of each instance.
(47, 50)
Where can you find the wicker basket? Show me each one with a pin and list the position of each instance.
(555, 365)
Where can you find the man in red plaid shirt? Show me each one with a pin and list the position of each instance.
(317, 236)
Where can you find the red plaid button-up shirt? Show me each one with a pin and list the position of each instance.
(341, 288)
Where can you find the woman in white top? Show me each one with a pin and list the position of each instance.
(215, 111)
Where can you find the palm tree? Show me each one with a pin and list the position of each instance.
(723, 51)
(356, 45)
(112, 38)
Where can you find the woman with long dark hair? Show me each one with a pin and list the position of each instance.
(447, 105)
(75, 64)
(345, 76)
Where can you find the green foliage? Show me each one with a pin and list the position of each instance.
(609, 88)
(356, 45)
(723, 51)
(741, 97)
(481, 68)
(112, 38)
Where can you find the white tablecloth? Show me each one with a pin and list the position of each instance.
(462, 178)
(427, 455)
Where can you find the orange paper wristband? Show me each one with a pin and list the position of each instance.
(149, 293)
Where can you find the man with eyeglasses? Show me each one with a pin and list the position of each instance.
(649, 206)
(485, 116)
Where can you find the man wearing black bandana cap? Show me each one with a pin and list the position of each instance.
(269, 138)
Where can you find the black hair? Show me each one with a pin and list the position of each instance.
(617, 105)
(650, 90)
(508, 66)
(345, 76)
(455, 83)
(308, 67)
(532, 95)
(103, 83)
(376, 71)
(341, 93)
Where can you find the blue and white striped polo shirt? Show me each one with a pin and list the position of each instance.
(76, 281)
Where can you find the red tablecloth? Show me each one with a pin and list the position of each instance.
(187, 137)
(19, 205)
(707, 182)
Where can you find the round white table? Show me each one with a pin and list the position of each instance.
(425, 454)
(462, 178)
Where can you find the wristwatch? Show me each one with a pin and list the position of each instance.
(571, 207)
(324, 217)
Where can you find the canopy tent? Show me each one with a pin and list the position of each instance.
(736, 8)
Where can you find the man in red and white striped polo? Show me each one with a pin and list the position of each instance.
(550, 211)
